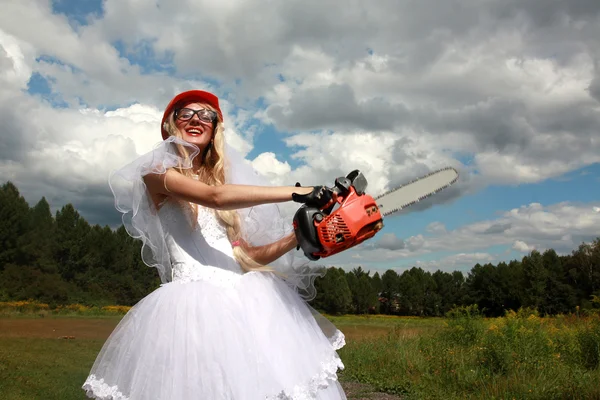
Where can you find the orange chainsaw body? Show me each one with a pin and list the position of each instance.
(349, 217)
(355, 220)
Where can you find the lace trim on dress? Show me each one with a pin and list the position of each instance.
(98, 389)
(338, 340)
(318, 382)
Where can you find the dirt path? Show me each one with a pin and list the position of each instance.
(78, 328)
(362, 391)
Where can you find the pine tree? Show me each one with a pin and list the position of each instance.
(333, 293)
(535, 280)
(13, 222)
(390, 291)
(36, 246)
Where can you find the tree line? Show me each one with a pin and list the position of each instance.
(62, 259)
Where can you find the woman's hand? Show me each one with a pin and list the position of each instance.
(270, 252)
(318, 197)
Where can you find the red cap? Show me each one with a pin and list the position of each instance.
(198, 96)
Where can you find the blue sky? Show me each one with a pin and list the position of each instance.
(78, 11)
(325, 95)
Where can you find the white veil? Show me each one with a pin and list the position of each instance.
(260, 224)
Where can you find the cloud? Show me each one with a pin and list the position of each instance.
(522, 247)
(498, 228)
(334, 106)
(595, 85)
(267, 165)
(395, 90)
(552, 226)
(436, 228)
(562, 227)
(390, 241)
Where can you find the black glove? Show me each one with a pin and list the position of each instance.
(319, 197)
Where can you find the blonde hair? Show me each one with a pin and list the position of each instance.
(212, 172)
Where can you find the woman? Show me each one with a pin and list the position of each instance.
(230, 320)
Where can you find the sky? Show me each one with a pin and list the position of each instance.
(505, 91)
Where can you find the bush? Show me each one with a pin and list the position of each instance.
(464, 327)
(517, 342)
(588, 338)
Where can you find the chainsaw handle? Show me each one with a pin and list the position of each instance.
(335, 198)
(325, 198)
(320, 197)
(339, 193)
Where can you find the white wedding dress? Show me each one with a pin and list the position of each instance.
(215, 332)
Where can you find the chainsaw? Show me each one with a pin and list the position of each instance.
(352, 216)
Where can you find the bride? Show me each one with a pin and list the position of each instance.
(230, 320)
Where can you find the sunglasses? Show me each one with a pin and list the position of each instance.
(186, 114)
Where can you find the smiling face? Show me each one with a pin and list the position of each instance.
(195, 123)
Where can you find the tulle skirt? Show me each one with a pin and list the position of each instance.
(253, 340)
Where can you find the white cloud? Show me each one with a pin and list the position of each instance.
(522, 247)
(390, 241)
(556, 226)
(16, 58)
(271, 168)
(561, 226)
(436, 228)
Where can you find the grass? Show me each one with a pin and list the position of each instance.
(374, 327)
(520, 356)
(39, 368)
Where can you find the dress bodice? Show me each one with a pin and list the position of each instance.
(200, 251)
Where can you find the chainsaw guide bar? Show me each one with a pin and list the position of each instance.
(416, 190)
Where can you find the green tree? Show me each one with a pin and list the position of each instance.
(71, 236)
(450, 289)
(377, 284)
(535, 279)
(418, 294)
(559, 296)
(390, 290)
(333, 293)
(485, 288)
(511, 278)
(364, 296)
(37, 244)
(13, 222)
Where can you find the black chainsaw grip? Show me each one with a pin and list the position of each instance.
(306, 232)
(319, 197)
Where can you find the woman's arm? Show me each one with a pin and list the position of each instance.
(224, 197)
(270, 252)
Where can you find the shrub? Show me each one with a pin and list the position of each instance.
(588, 338)
(517, 342)
(464, 327)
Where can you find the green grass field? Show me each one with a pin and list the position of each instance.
(520, 356)
(517, 357)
